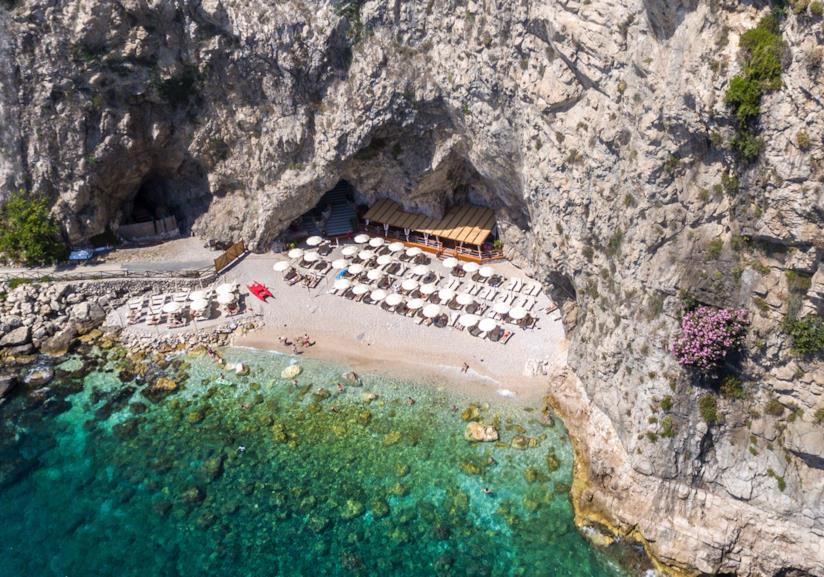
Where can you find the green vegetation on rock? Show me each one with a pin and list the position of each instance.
(709, 409)
(761, 72)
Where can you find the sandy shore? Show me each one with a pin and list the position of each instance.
(370, 339)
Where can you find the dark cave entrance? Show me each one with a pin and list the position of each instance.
(335, 215)
(148, 215)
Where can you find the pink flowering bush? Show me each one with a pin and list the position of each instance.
(707, 335)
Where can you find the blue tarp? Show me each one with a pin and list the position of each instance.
(341, 273)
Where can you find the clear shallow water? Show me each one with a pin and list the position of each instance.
(325, 486)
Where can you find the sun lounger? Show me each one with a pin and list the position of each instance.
(506, 336)
(551, 307)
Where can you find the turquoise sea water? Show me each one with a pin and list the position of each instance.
(255, 476)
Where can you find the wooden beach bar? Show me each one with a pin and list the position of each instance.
(465, 231)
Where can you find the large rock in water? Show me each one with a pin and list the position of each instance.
(478, 432)
(7, 383)
(38, 376)
(58, 344)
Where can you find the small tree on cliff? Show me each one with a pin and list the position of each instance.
(708, 335)
(28, 233)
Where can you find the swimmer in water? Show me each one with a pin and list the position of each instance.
(487, 491)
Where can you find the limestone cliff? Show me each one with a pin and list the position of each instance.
(598, 132)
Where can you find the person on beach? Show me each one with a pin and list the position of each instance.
(410, 401)
(465, 368)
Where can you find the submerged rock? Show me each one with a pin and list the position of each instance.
(352, 509)
(471, 413)
(476, 432)
(38, 376)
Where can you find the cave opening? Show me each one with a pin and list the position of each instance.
(148, 215)
(335, 215)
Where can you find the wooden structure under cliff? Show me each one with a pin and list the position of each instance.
(465, 231)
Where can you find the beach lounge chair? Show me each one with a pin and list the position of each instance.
(507, 334)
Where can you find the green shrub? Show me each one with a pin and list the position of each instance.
(709, 409)
(802, 139)
(816, 8)
(782, 484)
(763, 51)
(798, 282)
(666, 403)
(614, 243)
(819, 416)
(774, 408)
(29, 234)
(731, 387)
(715, 247)
(667, 427)
(807, 334)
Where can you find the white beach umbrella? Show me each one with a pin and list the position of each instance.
(470, 267)
(340, 264)
(431, 311)
(415, 304)
(172, 307)
(342, 284)
(366, 254)
(226, 288)
(409, 284)
(377, 295)
(197, 295)
(446, 294)
(384, 259)
(464, 299)
(517, 313)
(349, 250)
(421, 270)
(486, 271)
(428, 288)
(362, 238)
(360, 289)
(225, 298)
(376, 242)
(393, 299)
(374, 274)
(311, 256)
(396, 246)
(468, 321)
(356, 269)
(281, 266)
(314, 240)
(501, 308)
(450, 263)
(487, 324)
(199, 305)
(295, 253)
(413, 252)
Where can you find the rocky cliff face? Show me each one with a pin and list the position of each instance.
(598, 132)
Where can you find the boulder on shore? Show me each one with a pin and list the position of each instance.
(58, 344)
(15, 337)
(478, 433)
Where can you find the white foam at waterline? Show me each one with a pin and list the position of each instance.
(505, 393)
